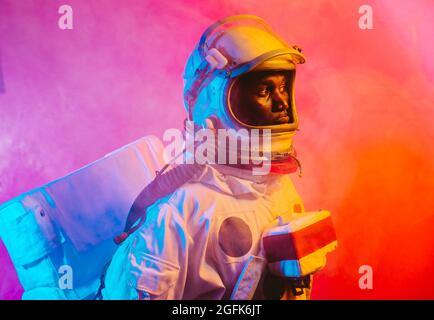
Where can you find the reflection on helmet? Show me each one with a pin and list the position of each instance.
(231, 48)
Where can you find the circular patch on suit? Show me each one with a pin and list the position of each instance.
(235, 237)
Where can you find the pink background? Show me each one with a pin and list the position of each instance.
(365, 101)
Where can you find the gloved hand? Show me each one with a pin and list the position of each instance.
(297, 247)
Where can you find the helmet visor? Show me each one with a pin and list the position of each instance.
(263, 99)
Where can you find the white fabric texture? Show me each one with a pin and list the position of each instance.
(195, 242)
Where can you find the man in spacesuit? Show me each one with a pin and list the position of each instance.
(204, 238)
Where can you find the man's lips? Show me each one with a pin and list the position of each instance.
(283, 118)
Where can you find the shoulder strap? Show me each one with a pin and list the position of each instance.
(162, 186)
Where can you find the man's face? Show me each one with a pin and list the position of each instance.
(261, 98)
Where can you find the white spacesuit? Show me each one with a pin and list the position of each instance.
(195, 243)
(204, 240)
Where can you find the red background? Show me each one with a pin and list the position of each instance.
(365, 102)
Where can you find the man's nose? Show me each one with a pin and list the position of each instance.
(279, 100)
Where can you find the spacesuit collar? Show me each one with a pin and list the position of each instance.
(235, 181)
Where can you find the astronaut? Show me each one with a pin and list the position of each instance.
(197, 233)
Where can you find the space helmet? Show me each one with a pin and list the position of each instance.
(228, 49)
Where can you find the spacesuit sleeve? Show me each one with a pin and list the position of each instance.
(157, 259)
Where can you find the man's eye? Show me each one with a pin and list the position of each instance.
(263, 92)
